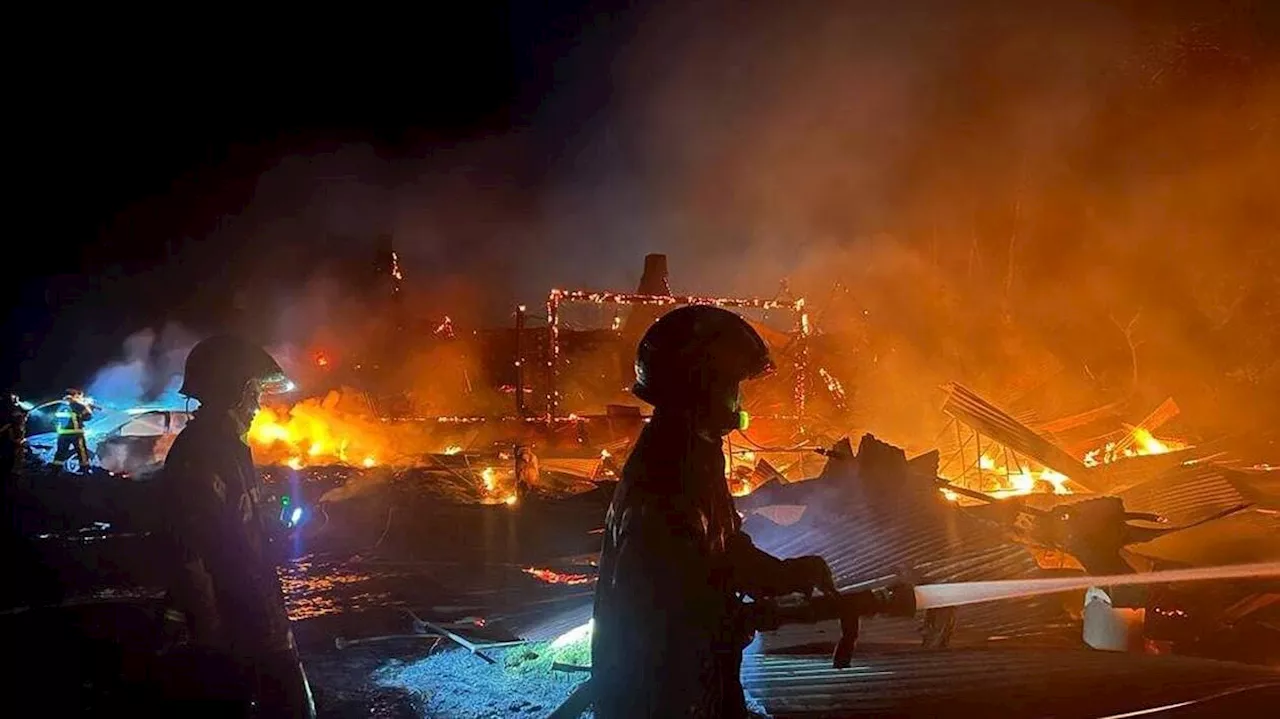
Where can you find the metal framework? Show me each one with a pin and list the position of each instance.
(559, 297)
(964, 466)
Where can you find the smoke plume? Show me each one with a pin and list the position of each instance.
(149, 371)
(1060, 203)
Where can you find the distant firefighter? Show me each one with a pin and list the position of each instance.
(13, 434)
(71, 417)
(526, 469)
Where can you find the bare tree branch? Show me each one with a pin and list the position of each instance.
(1128, 331)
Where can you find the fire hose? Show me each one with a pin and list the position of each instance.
(903, 600)
(896, 600)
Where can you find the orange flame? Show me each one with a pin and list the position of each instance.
(317, 432)
(1142, 443)
(1012, 482)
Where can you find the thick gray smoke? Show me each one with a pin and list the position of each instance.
(150, 369)
(1002, 190)
(149, 372)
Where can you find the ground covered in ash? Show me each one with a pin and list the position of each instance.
(456, 683)
(432, 677)
(522, 683)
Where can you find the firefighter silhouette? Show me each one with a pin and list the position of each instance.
(71, 417)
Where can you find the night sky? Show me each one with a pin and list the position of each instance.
(130, 156)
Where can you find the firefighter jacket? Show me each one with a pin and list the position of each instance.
(71, 417)
(666, 642)
(220, 541)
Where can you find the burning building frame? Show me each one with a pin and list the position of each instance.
(558, 297)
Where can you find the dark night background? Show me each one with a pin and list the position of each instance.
(128, 163)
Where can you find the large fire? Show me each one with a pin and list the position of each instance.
(302, 435)
(322, 431)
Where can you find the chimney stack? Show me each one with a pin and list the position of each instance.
(654, 280)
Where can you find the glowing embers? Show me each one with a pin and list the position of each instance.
(550, 576)
(495, 489)
(1140, 442)
(834, 387)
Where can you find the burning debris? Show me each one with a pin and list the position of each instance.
(550, 576)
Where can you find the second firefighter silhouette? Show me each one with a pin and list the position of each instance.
(71, 417)
(223, 542)
(13, 435)
(675, 563)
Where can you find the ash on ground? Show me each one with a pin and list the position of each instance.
(456, 683)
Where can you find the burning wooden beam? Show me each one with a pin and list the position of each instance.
(965, 405)
(1162, 414)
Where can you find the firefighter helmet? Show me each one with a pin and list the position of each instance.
(698, 354)
(219, 367)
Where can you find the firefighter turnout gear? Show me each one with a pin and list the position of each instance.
(223, 548)
(223, 539)
(666, 640)
(675, 565)
(70, 419)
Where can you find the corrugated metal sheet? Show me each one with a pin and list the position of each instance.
(868, 528)
(1042, 622)
(1186, 494)
(966, 406)
(587, 468)
(1125, 474)
(990, 682)
(1241, 538)
(1261, 488)
(550, 620)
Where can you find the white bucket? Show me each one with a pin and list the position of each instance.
(1109, 629)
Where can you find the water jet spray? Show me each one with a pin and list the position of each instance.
(956, 594)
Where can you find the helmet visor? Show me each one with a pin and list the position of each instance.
(276, 383)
